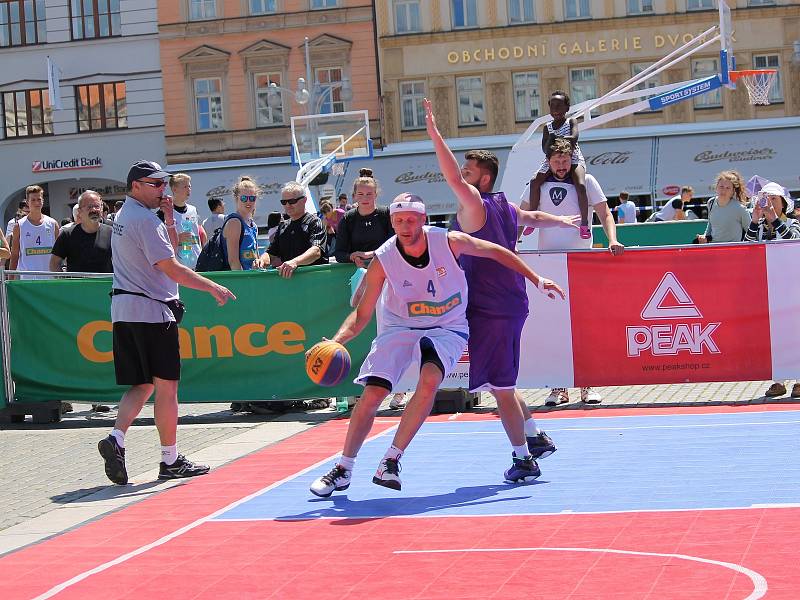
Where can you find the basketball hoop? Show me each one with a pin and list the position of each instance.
(758, 83)
(337, 169)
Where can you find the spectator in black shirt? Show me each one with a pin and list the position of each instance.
(299, 241)
(86, 245)
(365, 228)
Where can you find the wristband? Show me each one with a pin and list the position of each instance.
(541, 283)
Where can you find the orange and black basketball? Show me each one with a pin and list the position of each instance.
(328, 363)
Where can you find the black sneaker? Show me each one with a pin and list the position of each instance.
(181, 468)
(388, 474)
(522, 470)
(540, 445)
(114, 455)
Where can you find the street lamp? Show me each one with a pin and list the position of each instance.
(314, 99)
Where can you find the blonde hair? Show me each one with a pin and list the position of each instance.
(293, 188)
(737, 181)
(244, 181)
(365, 178)
(179, 178)
(33, 189)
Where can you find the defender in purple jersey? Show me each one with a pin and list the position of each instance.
(497, 303)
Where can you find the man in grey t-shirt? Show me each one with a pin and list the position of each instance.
(143, 313)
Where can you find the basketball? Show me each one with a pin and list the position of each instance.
(327, 363)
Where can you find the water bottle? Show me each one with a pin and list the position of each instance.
(342, 406)
(186, 246)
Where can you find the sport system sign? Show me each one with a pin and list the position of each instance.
(68, 164)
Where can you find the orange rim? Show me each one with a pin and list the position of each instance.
(734, 75)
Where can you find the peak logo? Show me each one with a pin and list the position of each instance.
(671, 301)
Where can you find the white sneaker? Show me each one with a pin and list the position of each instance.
(589, 396)
(388, 474)
(398, 402)
(557, 396)
(335, 480)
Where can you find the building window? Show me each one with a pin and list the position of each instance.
(704, 67)
(470, 101)
(771, 61)
(577, 9)
(101, 106)
(638, 7)
(526, 96)
(200, 10)
(583, 86)
(699, 4)
(406, 16)
(329, 99)
(22, 23)
(208, 103)
(465, 13)
(521, 11)
(760, 2)
(94, 18)
(267, 115)
(411, 95)
(323, 4)
(262, 7)
(649, 83)
(27, 113)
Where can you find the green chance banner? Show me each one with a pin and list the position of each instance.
(253, 348)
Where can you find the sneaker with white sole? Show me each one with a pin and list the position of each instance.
(181, 468)
(557, 396)
(114, 456)
(589, 396)
(335, 480)
(388, 474)
(398, 402)
(540, 445)
(522, 470)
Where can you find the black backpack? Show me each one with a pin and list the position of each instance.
(214, 255)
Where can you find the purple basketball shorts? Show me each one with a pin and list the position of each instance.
(494, 351)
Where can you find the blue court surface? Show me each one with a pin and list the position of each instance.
(603, 464)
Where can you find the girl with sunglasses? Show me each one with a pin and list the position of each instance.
(240, 230)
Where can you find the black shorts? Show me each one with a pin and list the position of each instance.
(143, 351)
(428, 355)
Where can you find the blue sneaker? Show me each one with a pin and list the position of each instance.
(540, 445)
(522, 470)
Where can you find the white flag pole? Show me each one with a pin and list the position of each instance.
(54, 84)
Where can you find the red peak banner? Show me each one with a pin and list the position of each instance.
(667, 316)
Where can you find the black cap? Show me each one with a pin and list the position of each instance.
(145, 168)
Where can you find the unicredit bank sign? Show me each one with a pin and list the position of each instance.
(66, 164)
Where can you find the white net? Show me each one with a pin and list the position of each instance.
(758, 85)
(337, 170)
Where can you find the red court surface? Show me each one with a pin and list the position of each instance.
(166, 547)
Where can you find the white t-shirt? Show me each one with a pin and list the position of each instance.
(560, 198)
(667, 213)
(626, 212)
(214, 222)
(36, 244)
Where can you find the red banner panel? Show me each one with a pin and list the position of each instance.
(670, 316)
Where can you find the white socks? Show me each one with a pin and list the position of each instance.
(521, 451)
(394, 453)
(531, 428)
(347, 462)
(119, 435)
(169, 454)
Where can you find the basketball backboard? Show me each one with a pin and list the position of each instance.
(346, 134)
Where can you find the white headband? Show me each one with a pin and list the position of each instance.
(407, 203)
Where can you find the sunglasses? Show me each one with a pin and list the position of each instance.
(248, 198)
(291, 201)
(153, 184)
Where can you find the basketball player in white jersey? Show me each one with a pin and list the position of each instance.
(423, 316)
(33, 236)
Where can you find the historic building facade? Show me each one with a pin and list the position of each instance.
(490, 65)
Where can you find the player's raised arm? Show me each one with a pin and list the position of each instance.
(461, 243)
(361, 316)
(469, 198)
(537, 218)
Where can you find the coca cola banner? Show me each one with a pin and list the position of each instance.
(655, 316)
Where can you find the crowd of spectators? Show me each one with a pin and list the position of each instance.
(344, 231)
